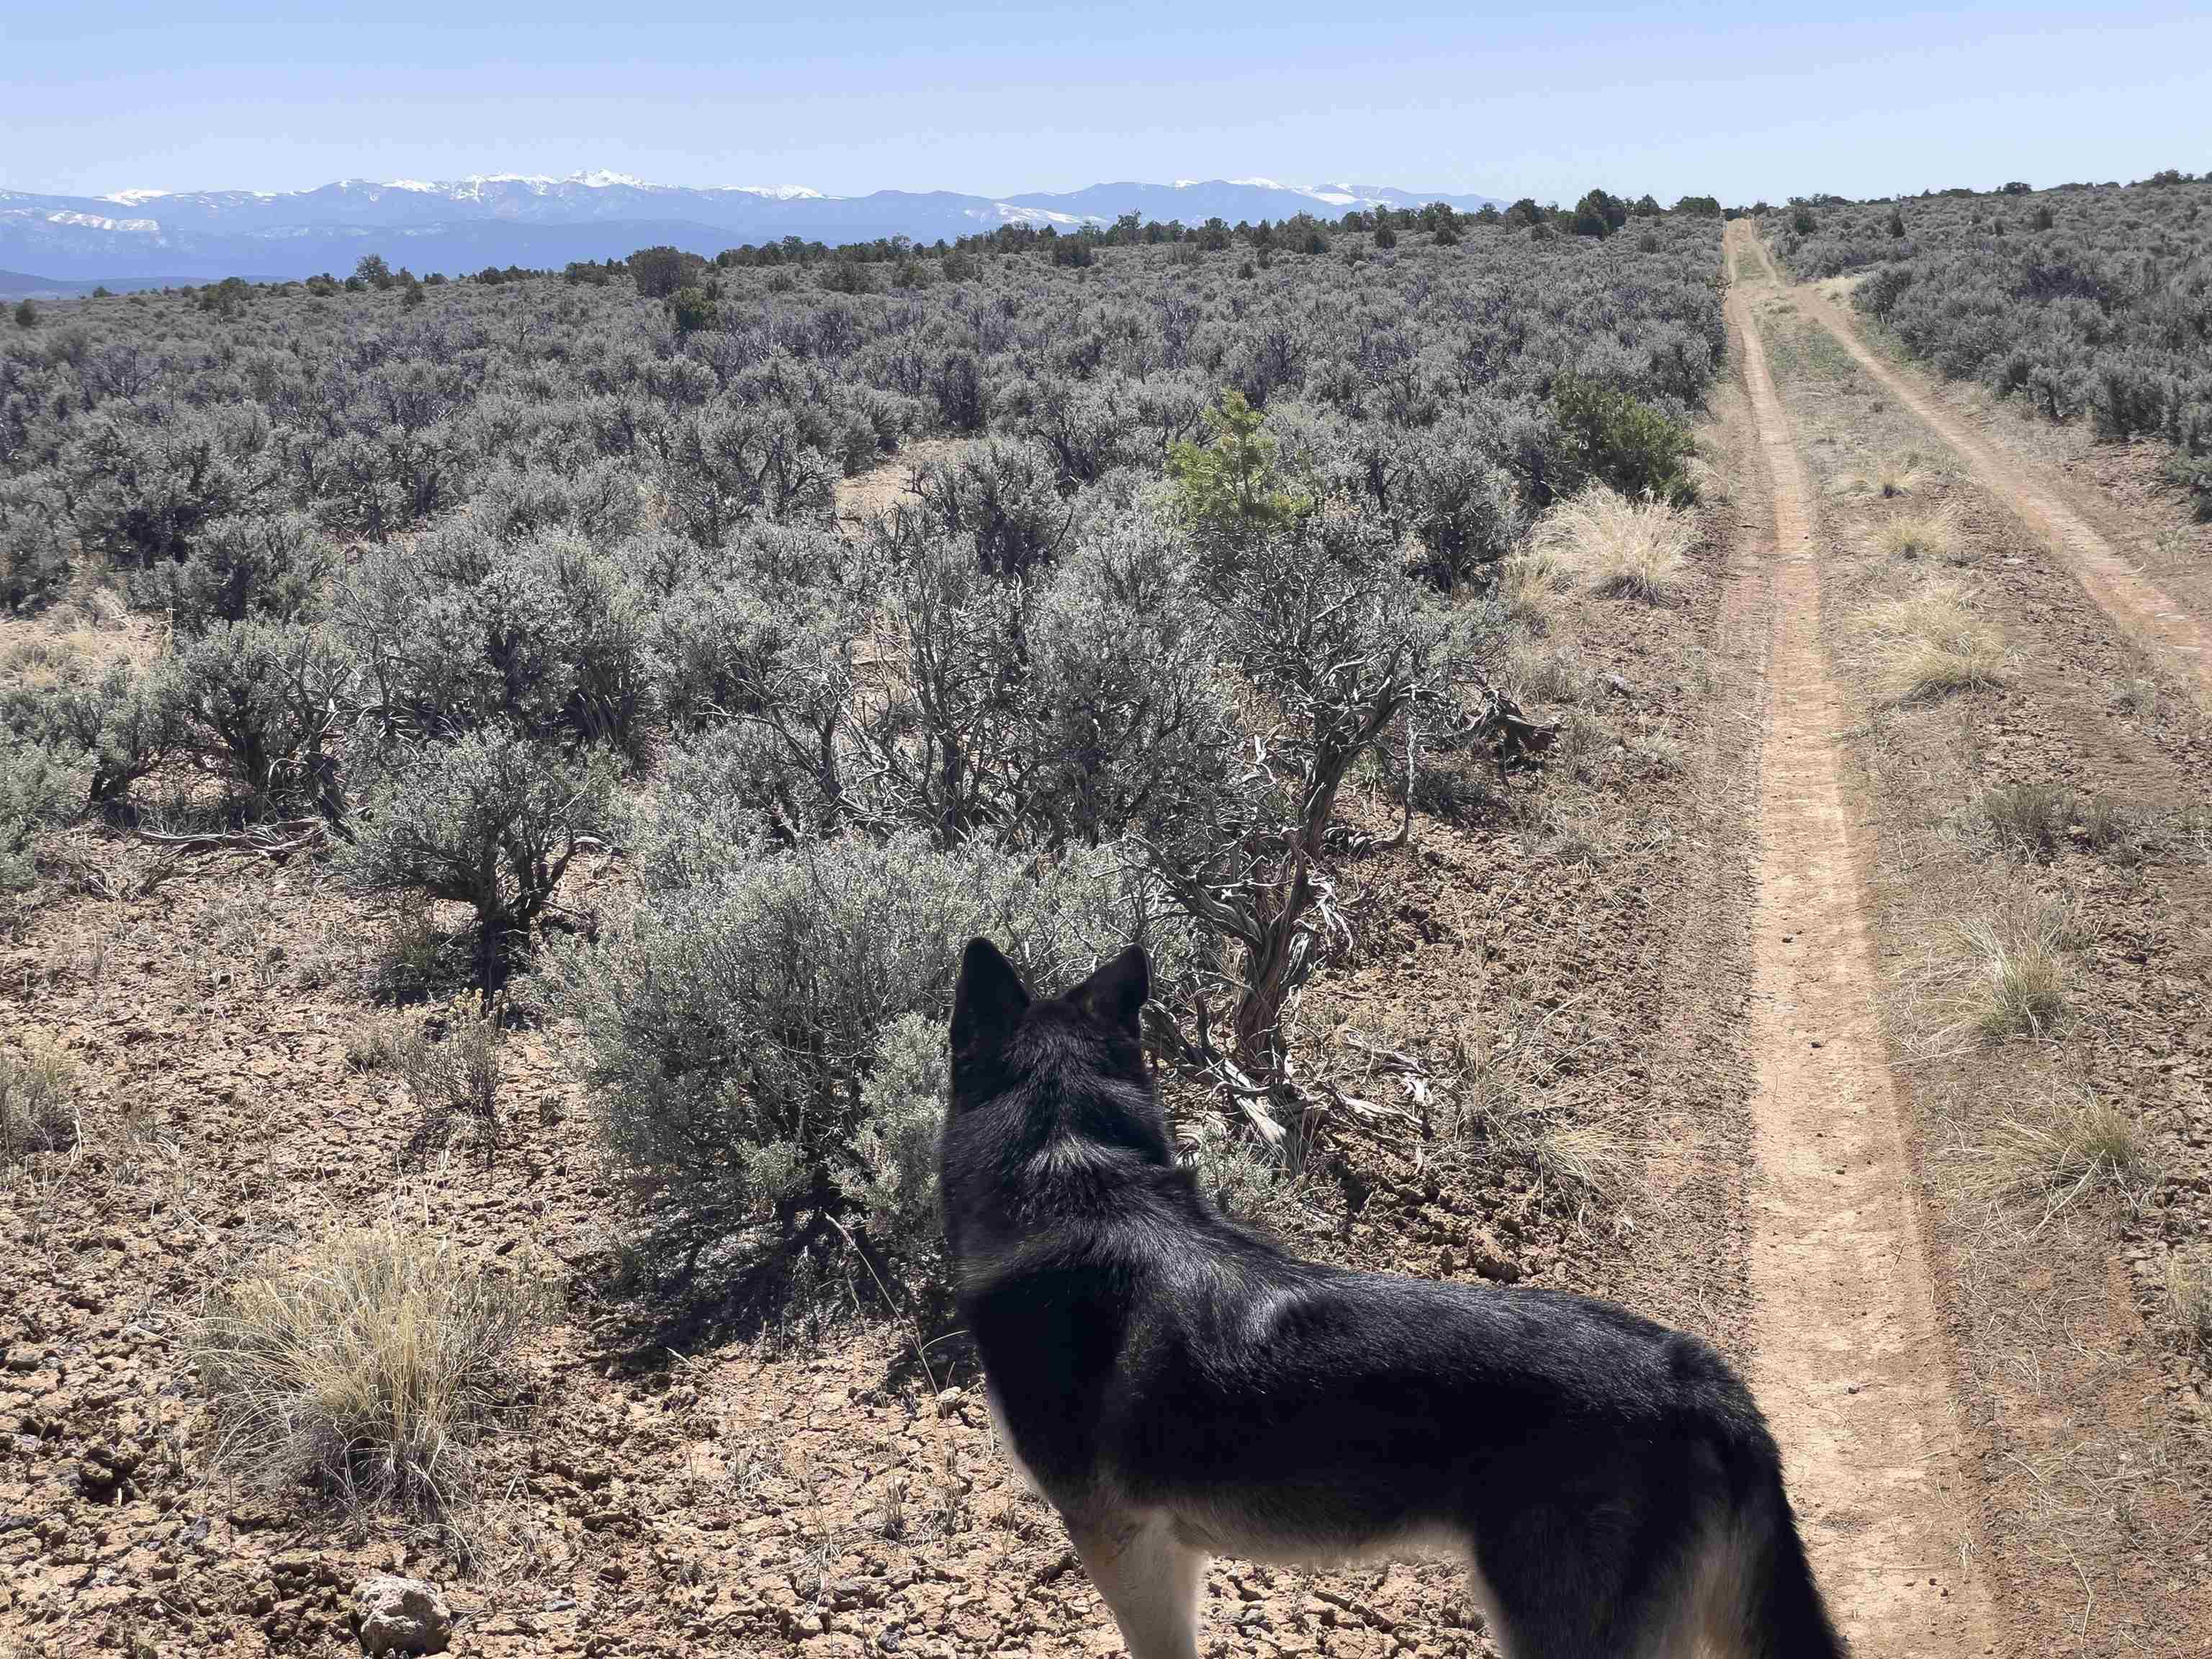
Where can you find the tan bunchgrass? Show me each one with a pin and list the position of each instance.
(1930, 644)
(367, 1366)
(1500, 1110)
(2029, 815)
(1581, 1158)
(1921, 536)
(38, 1101)
(2189, 1299)
(2066, 1145)
(2019, 974)
(1526, 582)
(1710, 482)
(1550, 672)
(1899, 477)
(1639, 549)
(379, 1042)
(2110, 826)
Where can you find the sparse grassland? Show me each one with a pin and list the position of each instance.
(2028, 790)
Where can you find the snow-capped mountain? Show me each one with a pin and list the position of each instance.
(531, 219)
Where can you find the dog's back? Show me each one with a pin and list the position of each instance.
(1179, 1388)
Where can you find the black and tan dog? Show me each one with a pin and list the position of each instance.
(1180, 1388)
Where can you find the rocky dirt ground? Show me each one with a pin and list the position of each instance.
(2082, 1372)
(1560, 951)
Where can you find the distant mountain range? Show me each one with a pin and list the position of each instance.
(501, 219)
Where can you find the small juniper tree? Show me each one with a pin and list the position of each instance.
(1229, 489)
(691, 310)
(1327, 642)
(659, 271)
(1611, 436)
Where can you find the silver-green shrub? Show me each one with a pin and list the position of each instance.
(490, 820)
(259, 705)
(758, 1036)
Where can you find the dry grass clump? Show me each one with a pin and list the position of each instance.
(1921, 536)
(1551, 673)
(1526, 582)
(2189, 1299)
(1637, 549)
(2029, 815)
(2034, 818)
(367, 1367)
(2138, 697)
(1929, 644)
(2069, 1145)
(2110, 826)
(1709, 482)
(1582, 1158)
(1900, 475)
(2019, 975)
(1497, 1109)
(378, 1042)
(457, 1078)
(38, 1102)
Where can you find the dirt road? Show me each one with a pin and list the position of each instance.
(1849, 1360)
(2135, 603)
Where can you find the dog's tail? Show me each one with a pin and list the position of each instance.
(1764, 1603)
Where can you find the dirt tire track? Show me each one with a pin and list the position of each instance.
(1850, 1363)
(2137, 604)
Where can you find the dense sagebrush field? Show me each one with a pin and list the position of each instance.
(2089, 301)
(462, 579)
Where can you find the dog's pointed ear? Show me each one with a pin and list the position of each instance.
(1116, 993)
(988, 999)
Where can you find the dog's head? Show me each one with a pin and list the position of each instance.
(1070, 1066)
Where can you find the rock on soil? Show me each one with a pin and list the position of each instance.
(401, 1615)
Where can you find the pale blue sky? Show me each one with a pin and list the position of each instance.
(1738, 100)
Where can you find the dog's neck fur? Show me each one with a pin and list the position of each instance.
(1052, 1115)
(1045, 1132)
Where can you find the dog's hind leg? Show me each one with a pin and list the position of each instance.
(1150, 1579)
